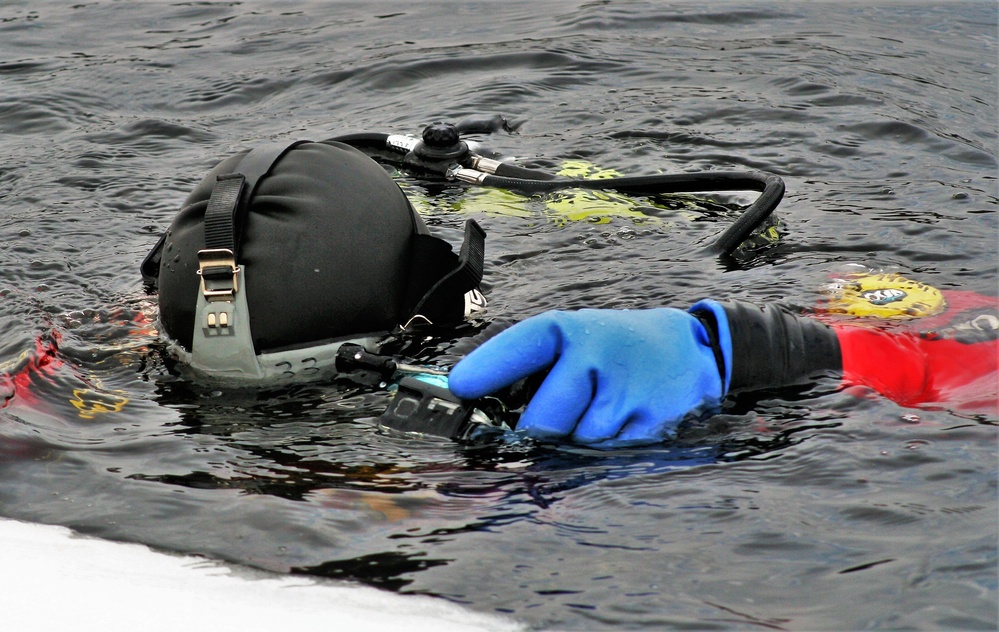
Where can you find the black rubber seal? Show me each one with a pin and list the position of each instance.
(772, 347)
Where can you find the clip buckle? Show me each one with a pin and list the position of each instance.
(218, 272)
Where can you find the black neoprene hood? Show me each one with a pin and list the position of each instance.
(327, 242)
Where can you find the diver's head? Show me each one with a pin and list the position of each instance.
(284, 252)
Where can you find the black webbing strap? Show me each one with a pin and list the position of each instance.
(234, 190)
(217, 262)
(222, 215)
(444, 301)
(150, 266)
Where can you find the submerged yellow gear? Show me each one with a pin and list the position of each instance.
(592, 206)
(883, 295)
(90, 402)
(597, 207)
(579, 205)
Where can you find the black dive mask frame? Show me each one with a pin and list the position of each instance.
(442, 152)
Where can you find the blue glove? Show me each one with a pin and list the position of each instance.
(617, 377)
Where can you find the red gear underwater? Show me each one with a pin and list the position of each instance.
(42, 362)
(916, 369)
(944, 353)
(45, 367)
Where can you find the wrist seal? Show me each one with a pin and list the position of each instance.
(772, 347)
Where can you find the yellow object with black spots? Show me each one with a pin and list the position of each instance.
(884, 295)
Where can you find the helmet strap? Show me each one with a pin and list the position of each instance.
(225, 204)
(222, 342)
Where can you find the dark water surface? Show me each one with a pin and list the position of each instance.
(797, 511)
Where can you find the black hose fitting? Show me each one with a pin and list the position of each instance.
(440, 148)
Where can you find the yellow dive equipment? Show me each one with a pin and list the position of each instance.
(577, 205)
(596, 207)
(883, 295)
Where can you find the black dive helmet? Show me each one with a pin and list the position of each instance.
(283, 253)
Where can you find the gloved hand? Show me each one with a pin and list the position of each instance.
(617, 377)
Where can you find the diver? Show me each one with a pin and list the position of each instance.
(286, 255)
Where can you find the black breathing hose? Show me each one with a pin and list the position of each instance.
(363, 140)
(506, 170)
(522, 179)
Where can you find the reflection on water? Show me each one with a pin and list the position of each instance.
(797, 510)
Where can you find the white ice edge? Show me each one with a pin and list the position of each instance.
(54, 579)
